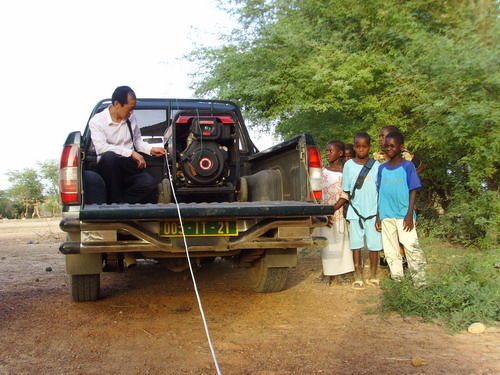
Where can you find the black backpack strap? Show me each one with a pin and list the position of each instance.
(358, 185)
(362, 175)
(362, 219)
(131, 134)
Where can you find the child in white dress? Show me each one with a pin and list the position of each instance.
(337, 256)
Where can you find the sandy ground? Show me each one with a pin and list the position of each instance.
(148, 322)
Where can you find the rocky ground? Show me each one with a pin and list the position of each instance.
(148, 322)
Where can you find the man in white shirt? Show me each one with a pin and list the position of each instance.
(117, 141)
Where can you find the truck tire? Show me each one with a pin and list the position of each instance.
(84, 288)
(267, 279)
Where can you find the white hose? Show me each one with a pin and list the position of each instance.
(205, 325)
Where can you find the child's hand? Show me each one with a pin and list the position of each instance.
(378, 225)
(330, 221)
(408, 223)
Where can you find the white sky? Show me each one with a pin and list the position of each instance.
(58, 58)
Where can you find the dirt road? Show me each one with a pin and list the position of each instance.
(147, 322)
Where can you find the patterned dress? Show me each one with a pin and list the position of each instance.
(337, 256)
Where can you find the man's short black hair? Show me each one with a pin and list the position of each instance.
(339, 144)
(363, 135)
(121, 94)
(397, 136)
(391, 128)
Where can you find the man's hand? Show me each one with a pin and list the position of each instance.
(157, 151)
(141, 163)
(378, 225)
(408, 223)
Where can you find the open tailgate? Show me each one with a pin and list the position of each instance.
(278, 209)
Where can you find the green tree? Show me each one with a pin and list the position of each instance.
(7, 209)
(26, 189)
(334, 68)
(49, 171)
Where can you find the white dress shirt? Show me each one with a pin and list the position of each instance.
(108, 135)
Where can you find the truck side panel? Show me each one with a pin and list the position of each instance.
(286, 163)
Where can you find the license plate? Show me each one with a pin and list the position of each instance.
(193, 228)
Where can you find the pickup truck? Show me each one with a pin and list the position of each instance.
(249, 207)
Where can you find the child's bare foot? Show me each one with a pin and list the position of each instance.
(346, 279)
(322, 279)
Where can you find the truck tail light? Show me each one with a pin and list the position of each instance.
(68, 175)
(315, 173)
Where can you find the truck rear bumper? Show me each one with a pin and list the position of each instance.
(150, 242)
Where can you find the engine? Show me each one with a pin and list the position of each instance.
(207, 157)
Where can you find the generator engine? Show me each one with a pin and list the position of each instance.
(209, 149)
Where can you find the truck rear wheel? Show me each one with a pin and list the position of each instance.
(267, 279)
(84, 288)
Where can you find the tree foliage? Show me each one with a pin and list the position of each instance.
(49, 171)
(26, 185)
(7, 207)
(32, 190)
(334, 68)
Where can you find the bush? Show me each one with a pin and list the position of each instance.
(470, 220)
(473, 220)
(462, 289)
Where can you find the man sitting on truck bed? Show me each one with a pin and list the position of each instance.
(117, 141)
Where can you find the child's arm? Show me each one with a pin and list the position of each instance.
(339, 203)
(408, 220)
(419, 165)
(378, 223)
(336, 206)
(420, 168)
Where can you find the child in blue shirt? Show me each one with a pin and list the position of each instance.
(398, 183)
(362, 210)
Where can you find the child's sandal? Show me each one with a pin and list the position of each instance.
(373, 282)
(358, 285)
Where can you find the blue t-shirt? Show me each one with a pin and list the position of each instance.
(394, 186)
(365, 199)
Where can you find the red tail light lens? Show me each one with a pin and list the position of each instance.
(318, 195)
(68, 175)
(314, 157)
(315, 174)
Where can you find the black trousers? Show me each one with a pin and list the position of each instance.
(125, 183)
(94, 188)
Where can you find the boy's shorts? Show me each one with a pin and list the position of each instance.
(357, 235)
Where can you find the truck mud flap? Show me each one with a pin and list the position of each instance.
(280, 258)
